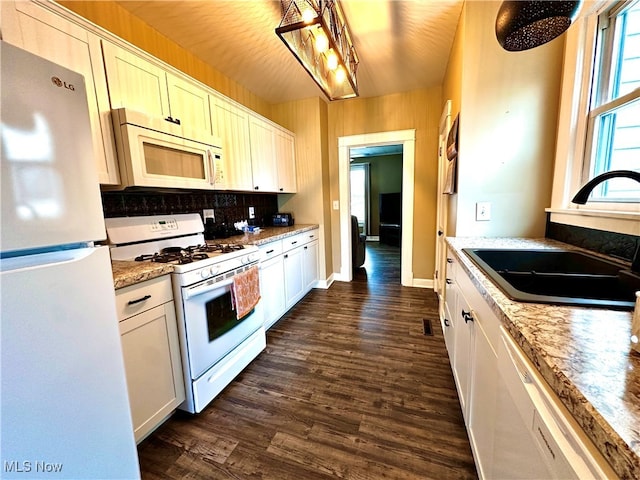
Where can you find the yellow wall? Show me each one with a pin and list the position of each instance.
(508, 104)
(307, 119)
(419, 110)
(112, 17)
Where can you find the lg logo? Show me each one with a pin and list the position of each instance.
(59, 83)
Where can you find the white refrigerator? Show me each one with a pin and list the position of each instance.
(64, 411)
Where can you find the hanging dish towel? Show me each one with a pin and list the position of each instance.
(246, 291)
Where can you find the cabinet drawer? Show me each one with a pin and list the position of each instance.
(299, 239)
(270, 250)
(293, 241)
(143, 296)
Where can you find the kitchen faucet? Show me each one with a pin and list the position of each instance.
(583, 194)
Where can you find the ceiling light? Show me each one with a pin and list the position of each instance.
(302, 33)
(523, 25)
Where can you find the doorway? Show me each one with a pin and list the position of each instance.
(406, 138)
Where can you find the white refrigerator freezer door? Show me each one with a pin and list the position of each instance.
(50, 189)
(64, 394)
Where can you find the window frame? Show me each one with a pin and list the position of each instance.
(572, 155)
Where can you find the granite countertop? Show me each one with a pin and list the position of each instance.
(267, 234)
(583, 353)
(127, 273)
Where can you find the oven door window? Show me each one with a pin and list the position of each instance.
(221, 316)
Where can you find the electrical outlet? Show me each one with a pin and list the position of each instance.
(252, 213)
(208, 213)
(483, 211)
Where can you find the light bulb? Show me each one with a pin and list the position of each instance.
(322, 42)
(332, 60)
(308, 15)
(340, 75)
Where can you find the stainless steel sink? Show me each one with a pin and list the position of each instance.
(558, 277)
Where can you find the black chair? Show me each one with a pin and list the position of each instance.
(358, 242)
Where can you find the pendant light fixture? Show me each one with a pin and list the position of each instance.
(521, 25)
(316, 33)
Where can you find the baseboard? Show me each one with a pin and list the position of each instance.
(324, 283)
(338, 277)
(423, 283)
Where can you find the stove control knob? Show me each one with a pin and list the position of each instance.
(205, 272)
(215, 269)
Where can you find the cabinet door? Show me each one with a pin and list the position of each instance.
(231, 125)
(135, 83)
(293, 276)
(263, 155)
(310, 265)
(189, 104)
(272, 289)
(44, 33)
(464, 334)
(153, 368)
(482, 400)
(286, 161)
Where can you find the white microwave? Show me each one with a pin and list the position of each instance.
(155, 153)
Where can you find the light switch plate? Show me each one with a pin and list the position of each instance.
(252, 213)
(336, 204)
(483, 211)
(208, 213)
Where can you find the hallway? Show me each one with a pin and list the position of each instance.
(348, 387)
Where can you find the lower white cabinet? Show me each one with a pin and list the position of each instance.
(151, 351)
(288, 271)
(517, 426)
(293, 276)
(271, 289)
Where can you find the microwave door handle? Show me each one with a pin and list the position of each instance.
(212, 167)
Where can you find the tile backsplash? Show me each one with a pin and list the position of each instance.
(618, 245)
(228, 207)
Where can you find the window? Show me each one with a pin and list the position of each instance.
(360, 194)
(613, 131)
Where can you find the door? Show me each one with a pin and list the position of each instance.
(231, 125)
(189, 104)
(310, 265)
(135, 83)
(442, 204)
(293, 276)
(64, 394)
(263, 156)
(285, 154)
(50, 192)
(271, 289)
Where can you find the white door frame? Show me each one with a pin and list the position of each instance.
(407, 138)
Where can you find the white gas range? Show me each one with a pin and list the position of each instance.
(216, 345)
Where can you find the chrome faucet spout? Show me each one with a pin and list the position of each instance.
(583, 194)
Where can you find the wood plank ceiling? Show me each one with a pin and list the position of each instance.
(403, 45)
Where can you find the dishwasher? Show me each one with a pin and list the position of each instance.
(535, 436)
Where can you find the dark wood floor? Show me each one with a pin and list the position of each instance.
(348, 387)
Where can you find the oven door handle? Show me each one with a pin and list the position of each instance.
(196, 290)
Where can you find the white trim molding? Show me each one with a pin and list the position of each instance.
(423, 283)
(408, 139)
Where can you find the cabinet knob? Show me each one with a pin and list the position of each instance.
(468, 317)
(286, 256)
(447, 323)
(440, 233)
(256, 188)
(282, 189)
(449, 260)
(448, 281)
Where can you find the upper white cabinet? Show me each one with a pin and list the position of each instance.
(263, 156)
(286, 161)
(47, 34)
(140, 85)
(231, 124)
